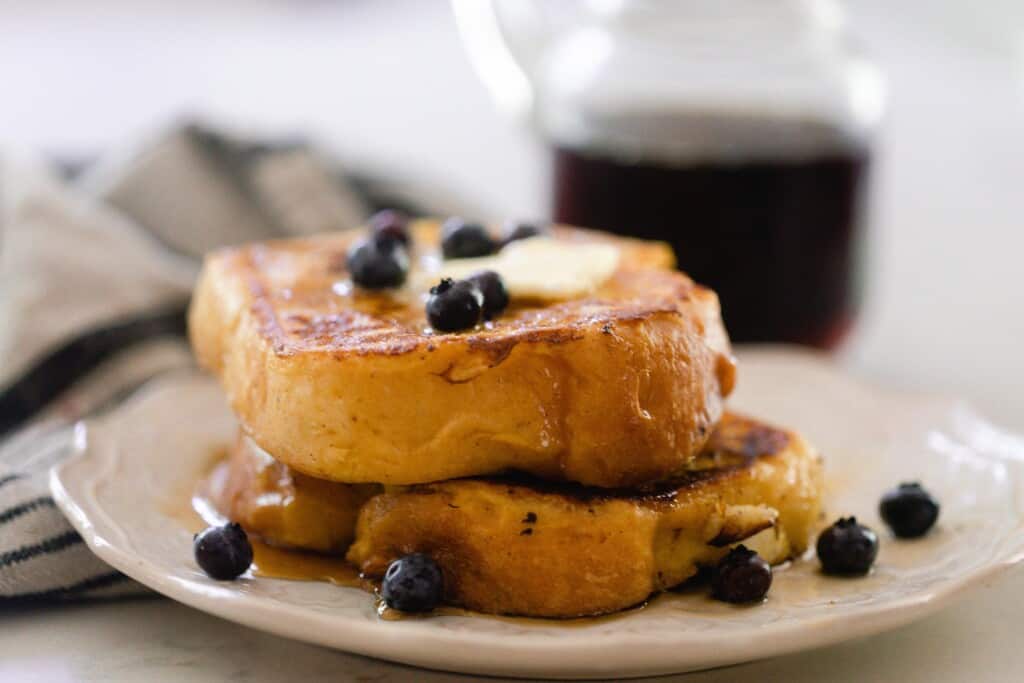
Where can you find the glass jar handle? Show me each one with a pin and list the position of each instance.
(506, 41)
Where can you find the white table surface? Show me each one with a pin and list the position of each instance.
(386, 83)
(158, 641)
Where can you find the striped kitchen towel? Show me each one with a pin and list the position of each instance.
(95, 271)
(42, 558)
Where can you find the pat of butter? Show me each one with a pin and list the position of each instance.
(542, 267)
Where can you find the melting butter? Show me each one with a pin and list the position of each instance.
(539, 268)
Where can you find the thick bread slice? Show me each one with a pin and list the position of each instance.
(283, 507)
(563, 551)
(613, 389)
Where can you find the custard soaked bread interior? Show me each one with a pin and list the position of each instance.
(527, 547)
(616, 388)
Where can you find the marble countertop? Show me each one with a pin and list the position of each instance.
(945, 306)
(158, 640)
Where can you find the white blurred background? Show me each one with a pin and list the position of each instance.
(385, 83)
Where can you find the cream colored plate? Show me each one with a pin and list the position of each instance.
(130, 466)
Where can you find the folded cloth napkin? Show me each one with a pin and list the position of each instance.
(95, 273)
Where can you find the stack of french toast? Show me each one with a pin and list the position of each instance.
(536, 415)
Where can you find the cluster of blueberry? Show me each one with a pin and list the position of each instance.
(847, 548)
(414, 583)
(381, 261)
(455, 305)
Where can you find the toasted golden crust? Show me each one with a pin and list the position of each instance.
(565, 551)
(613, 389)
(516, 546)
(544, 551)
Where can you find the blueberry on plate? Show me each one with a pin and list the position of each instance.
(223, 552)
(847, 548)
(390, 227)
(454, 305)
(741, 576)
(519, 230)
(460, 239)
(412, 583)
(909, 510)
(492, 287)
(378, 264)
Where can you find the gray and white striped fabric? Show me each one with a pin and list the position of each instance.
(42, 558)
(94, 273)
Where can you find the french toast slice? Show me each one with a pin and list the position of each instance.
(533, 549)
(526, 547)
(615, 388)
(284, 507)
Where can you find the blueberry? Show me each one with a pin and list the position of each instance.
(518, 230)
(454, 305)
(377, 265)
(909, 510)
(847, 547)
(390, 227)
(223, 552)
(492, 287)
(741, 576)
(412, 584)
(460, 239)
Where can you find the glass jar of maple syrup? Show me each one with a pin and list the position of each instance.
(739, 131)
